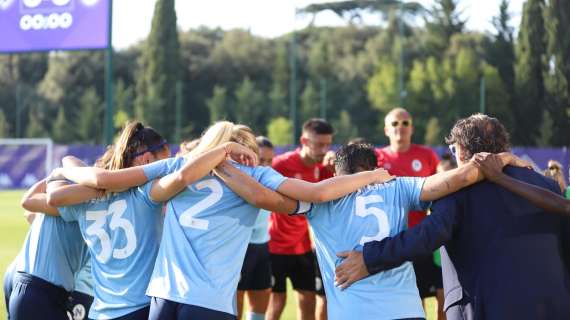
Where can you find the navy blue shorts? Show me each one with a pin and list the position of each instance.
(80, 304)
(8, 278)
(35, 298)
(141, 314)
(161, 309)
(256, 269)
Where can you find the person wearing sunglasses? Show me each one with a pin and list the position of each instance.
(404, 159)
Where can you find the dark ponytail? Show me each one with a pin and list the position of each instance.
(134, 140)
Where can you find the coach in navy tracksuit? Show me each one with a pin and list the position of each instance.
(503, 258)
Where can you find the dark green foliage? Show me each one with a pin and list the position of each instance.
(159, 72)
(63, 129)
(241, 77)
(250, 106)
(443, 22)
(4, 126)
(529, 68)
(90, 107)
(309, 102)
(35, 128)
(501, 52)
(219, 105)
(557, 77)
(352, 9)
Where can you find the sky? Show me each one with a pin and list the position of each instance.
(267, 18)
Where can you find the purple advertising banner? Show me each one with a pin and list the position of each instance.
(23, 165)
(38, 25)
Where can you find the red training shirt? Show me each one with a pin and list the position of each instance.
(418, 161)
(289, 235)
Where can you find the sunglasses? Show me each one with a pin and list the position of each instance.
(554, 168)
(452, 149)
(405, 123)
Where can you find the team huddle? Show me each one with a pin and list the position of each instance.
(142, 235)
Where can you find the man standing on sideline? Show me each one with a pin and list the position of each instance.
(402, 158)
(503, 258)
(290, 245)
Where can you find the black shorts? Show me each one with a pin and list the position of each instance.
(319, 288)
(256, 269)
(299, 268)
(428, 276)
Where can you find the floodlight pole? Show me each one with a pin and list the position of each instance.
(109, 79)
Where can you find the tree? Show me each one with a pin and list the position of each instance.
(69, 74)
(557, 77)
(250, 108)
(90, 107)
(309, 102)
(4, 126)
(35, 128)
(501, 52)
(433, 132)
(124, 98)
(383, 90)
(280, 83)
(557, 24)
(159, 71)
(351, 10)
(498, 100)
(62, 130)
(279, 131)
(545, 133)
(219, 105)
(444, 21)
(344, 127)
(124, 103)
(529, 79)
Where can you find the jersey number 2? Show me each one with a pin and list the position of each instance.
(116, 210)
(362, 211)
(187, 217)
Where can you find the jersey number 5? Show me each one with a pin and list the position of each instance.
(116, 210)
(362, 211)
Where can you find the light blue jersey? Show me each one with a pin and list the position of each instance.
(53, 251)
(260, 232)
(122, 232)
(374, 212)
(206, 232)
(84, 278)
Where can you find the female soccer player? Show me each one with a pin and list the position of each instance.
(44, 270)
(122, 229)
(207, 226)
